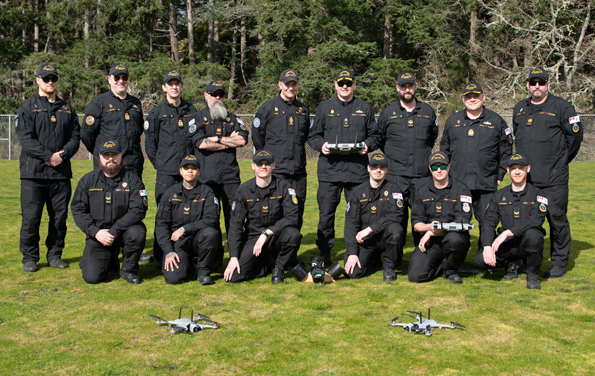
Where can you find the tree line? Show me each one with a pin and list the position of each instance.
(247, 43)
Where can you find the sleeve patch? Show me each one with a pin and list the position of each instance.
(436, 122)
(291, 191)
(542, 200)
(256, 122)
(348, 206)
(397, 196)
(574, 119)
(217, 202)
(143, 193)
(312, 123)
(90, 120)
(146, 126)
(466, 199)
(507, 131)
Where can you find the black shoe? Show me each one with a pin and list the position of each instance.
(30, 266)
(158, 265)
(327, 258)
(388, 275)
(523, 268)
(511, 272)
(146, 258)
(555, 272)
(130, 277)
(533, 281)
(278, 276)
(205, 280)
(453, 278)
(58, 264)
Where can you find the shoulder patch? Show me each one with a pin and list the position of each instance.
(217, 201)
(507, 131)
(542, 200)
(574, 119)
(90, 120)
(312, 123)
(397, 196)
(466, 199)
(143, 193)
(348, 206)
(146, 126)
(233, 206)
(291, 191)
(241, 123)
(256, 122)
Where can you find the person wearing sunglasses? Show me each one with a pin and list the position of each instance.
(342, 119)
(548, 132)
(49, 133)
(263, 234)
(443, 199)
(115, 115)
(479, 144)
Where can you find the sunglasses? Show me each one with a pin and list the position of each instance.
(121, 77)
(342, 83)
(217, 94)
(540, 82)
(48, 79)
(263, 163)
(435, 167)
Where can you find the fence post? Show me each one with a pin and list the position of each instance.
(9, 138)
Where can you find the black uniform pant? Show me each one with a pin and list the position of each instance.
(278, 250)
(529, 245)
(203, 245)
(481, 200)
(410, 185)
(444, 254)
(387, 241)
(55, 195)
(98, 260)
(559, 227)
(225, 193)
(328, 197)
(299, 183)
(162, 184)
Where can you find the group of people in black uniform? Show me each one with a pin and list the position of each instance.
(194, 153)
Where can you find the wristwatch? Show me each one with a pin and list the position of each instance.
(265, 233)
(219, 139)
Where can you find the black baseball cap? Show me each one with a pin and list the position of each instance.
(110, 147)
(378, 159)
(46, 70)
(345, 75)
(190, 160)
(172, 75)
(263, 155)
(472, 88)
(406, 77)
(289, 75)
(118, 69)
(518, 159)
(438, 157)
(538, 73)
(215, 86)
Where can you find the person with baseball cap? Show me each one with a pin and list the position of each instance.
(263, 234)
(109, 205)
(167, 140)
(442, 200)
(521, 209)
(49, 133)
(373, 224)
(548, 132)
(186, 226)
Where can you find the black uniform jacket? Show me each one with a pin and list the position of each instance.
(451, 204)
(252, 214)
(167, 138)
(194, 213)
(44, 128)
(220, 166)
(97, 205)
(375, 210)
(517, 211)
(408, 138)
(550, 136)
(108, 118)
(282, 129)
(479, 149)
(345, 122)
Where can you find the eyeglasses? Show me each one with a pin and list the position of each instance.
(540, 82)
(435, 167)
(218, 94)
(121, 77)
(263, 163)
(343, 83)
(48, 79)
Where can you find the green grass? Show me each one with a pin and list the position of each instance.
(52, 323)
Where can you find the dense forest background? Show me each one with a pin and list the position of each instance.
(248, 43)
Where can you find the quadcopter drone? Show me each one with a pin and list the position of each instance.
(424, 326)
(189, 325)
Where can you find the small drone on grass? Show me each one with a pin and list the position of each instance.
(424, 326)
(189, 325)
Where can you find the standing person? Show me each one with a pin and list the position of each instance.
(48, 131)
(479, 144)
(281, 125)
(549, 133)
(263, 232)
(441, 200)
(409, 129)
(186, 226)
(373, 224)
(117, 116)
(520, 208)
(168, 140)
(109, 205)
(343, 119)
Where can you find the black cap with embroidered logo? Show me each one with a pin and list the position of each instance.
(345, 75)
(438, 157)
(378, 159)
(406, 77)
(118, 69)
(110, 147)
(263, 155)
(518, 159)
(215, 86)
(46, 70)
(172, 75)
(538, 73)
(190, 160)
(472, 88)
(289, 75)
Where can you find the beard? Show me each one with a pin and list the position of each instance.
(218, 111)
(110, 169)
(408, 99)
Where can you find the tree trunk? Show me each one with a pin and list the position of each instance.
(388, 31)
(243, 47)
(232, 68)
(100, 25)
(528, 52)
(216, 41)
(49, 44)
(86, 35)
(474, 22)
(191, 57)
(211, 36)
(24, 31)
(34, 7)
(173, 33)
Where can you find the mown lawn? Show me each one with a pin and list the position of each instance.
(52, 323)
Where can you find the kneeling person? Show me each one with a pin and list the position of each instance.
(521, 209)
(441, 200)
(267, 208)
(109, 205)
(373, 224)
(186, 226)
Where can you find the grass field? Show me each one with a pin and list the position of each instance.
(52, 323)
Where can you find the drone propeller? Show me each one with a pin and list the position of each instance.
(457, 324)
(201, 316)
(395, 319)
(414, 313)
(180, 315)
(156, 317)
(191, 315)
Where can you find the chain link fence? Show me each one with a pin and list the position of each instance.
(10, 149)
